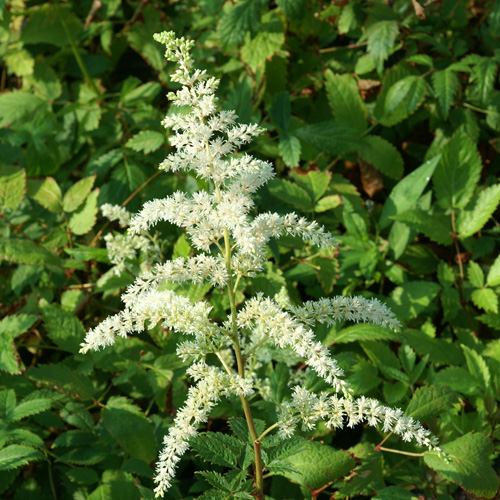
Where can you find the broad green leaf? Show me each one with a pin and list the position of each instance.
(130, 428)
(18, 106)
(237, 21)
(83, 220)
(475, 274)
(446, 86)
(402, 99)
(407, 191)
(8, 354)
(213, 450)
(289, 149)
(485, 298)
(493, 278)
(30, 407)
(457, 173)
(265, 44)
(84, 456)
(331, 137)
(328, 203)
(345, 101)
(467, 464)
(26, 252)
(47, 193)
(12, 186)
(146, 141)
(458, 379)
(471, 221)
(314, 182)
(477, 366)
(290, 193)
(353, 221)
(430, 401)
(63, 327)
(77, 193)
(413, 297)
(45, 81)
(278, 382)
(16, 455)
(281, 110)
(293, 9)
(44, 25)
(436, 227)
(439, 350)
(318, 464)
(382, 155)
(381, 39)
(394, 493)
(364, 332)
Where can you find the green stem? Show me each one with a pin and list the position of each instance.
(400, 452)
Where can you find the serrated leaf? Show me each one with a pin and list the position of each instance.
(446, 85)
(385, 360)
(477, 366)
(318, 465)
(83, 220)
(215, 479)
(314, 182)
(25, 437)
(213, 450)
(381, 38)
(345, 101)
(146, 141)
(467, 464)
(281, 110)
(63, 327)
(475, 274)
(130, 428)
(7, 404)
(493, 278)
(236, 22)
(8, 354)
(290, 193)
(287, 448)
(486, 299)
(394, 493)
(16, 106)
(328, 203)
(382, 155)
(430, 401)
(84, 254)
(482, 78)
(471, 221)
(458, 379)
(364, 331)
(47, 193)
(26, 252)
(293, 9)
(404, 97)
(84, 456)
(12, 186)
(30, 407)
(240, 427)
(434, 226)
(333, 137)
(407, 191)
(289, 148)
(16, 455)
(77, 193)
(17, 324)
(457, 173)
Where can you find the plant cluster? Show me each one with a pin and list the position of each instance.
(381, 121)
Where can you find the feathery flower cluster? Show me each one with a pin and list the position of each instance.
(230, 244)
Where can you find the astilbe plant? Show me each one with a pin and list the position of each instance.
(231, 245)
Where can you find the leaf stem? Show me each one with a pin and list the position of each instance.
(401, 452)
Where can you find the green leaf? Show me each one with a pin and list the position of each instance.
(213, 450)
(18, 106)
(471, 221)
(382, 155)
(146, 141)
(430, 401)
(83, 253)
(457, 173)
(8, 354)
(63, 327)
(434, 226)
(385, 360)
(130, 428)
(16, 455)
(328, 203)
(77, 193)
(30, 407)
(458, 379)
(281, 110)
(475, 274)
(45, 82)
(293, 9)
(381, 38)
(83, 220)
(477, 367)
(215, 479)
(26, 252)
(353, 221)
(329, 136)
(47, 193)
(482, 78)
(402, 99)
(467, 464)
(12, 186)
(394, 493)
(314, 182)
(44, 25)
(446, 85)
(84, 456)
(345, 101)
(17, 324)
(289, 149)
(290, 193)
(265, 44)
(407, 191)
(278, 382)
(365, 331)
(318, 465)
(237, 21)
(493, 278)
(7, 404)
(485, 298)
(413, 297)
(394, 391)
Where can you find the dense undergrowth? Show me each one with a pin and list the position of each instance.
(382, 122)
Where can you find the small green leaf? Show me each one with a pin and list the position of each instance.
(402, 99)
(77, 193)
(477, 367)
(18, 106)
(17, 324)
(83, 220)
(314, 182)
(47, 193)
(485, 298)
(237, 21)
(446, 86)
(7, 404)
(289, 149)
(475, 274)
(290, 193)
(30, 407)
(8, 354)
(471, 221)
(381, 38)
(493, 278)
(382, 155)
(213, 450)
(328, 203)
(467, 464)
(281, 110)
(63, 327)
(12, 186)
(16, 455)
(430, 401)
(365, 331)
(26, 252)
(146, 141)
(215, 479)
(436, 227)
(293, 9)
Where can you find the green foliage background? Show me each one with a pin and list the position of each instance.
(382, 121)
